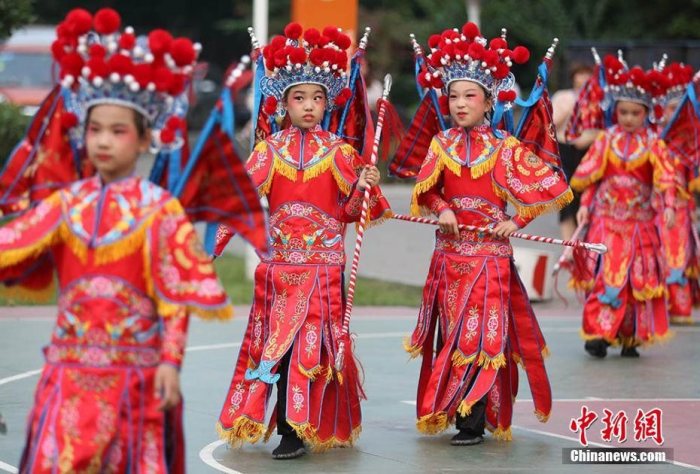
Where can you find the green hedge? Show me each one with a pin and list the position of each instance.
(13, 124)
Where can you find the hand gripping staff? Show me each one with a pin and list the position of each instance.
(364, 217)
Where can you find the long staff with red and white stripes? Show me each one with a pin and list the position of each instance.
(594, 247)
(340, 354)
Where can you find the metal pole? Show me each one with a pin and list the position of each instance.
(474, 11)
(260, 19)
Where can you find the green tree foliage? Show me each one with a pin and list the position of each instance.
(12, 130)
(13, 14)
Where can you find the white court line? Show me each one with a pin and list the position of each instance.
(8, 468)
(21, 376)
(596, 399)
(210, 347)
(206, 454)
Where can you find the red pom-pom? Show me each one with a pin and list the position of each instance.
(342, 97)
(270, 105)
(71, 63)
(449, 50)
(506, 96)
(68, 120)
(97, 51)
(62, 30)
(611, 62)
(520, 54)
(323, 41)
(278, 42)
(120, 64)
(98, 68)
(127, 41)
(107, 21)
(437, 82)
(501, 71)
(311, 36)
(293, 31)
(331, 32)
(434, 59)
(177, 84)
(316, 56)
(341, 60)
(175, 123)
(498, 43)
(143, 73)
(476, 51)
(297, 56)
(167, 136)
(343, 41)
(491, 57)
(470, 30)
(444, 102)
(58, 49)
(182, 51)
(78, 21)
(637, 76)
(159, 42)
(280, 58)
(434, 41)
(424, 78)
(162, 78)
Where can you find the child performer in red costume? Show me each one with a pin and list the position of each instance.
(473, 296)
(679, 242)
(310, 178)
(130, 267)
(626, 163)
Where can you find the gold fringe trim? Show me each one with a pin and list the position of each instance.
(535, 210)
(497, 362)
(517, 359)
(24, 294)
(681, 320)
(465, 408)
(694, 185)
(581, 285)
(629, 341)
(243, 430)
(649, 293)
(460, 360)
(477, 171)
(16, 256)
(589, 337)
(283, 168)
(414, 351)
(502, 434)
(386, 215)
(627, 165)
(313, 373)
(545, 352)
(542, 417)
(433, 424)
(441, 160)
(309, 435)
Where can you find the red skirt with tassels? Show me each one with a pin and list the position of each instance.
(486, 326)
(626, 301)
(297, 308)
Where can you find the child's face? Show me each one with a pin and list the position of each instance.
(305, 105)
(113, 141)
(630, 115)
(670, 109)
(468, 103)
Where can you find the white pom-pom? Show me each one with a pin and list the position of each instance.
(85, 71)
(288, 67)
(128, 79)
(151, 87)
(148, 57)
(297, 65)
(483, 63)
(137, 51)
(487, 72)
(448, 41)
(82, 40)
(129, 30)
(82, 48)
(317, 69)
(197, 47)
(458, 57)
(134, 86)
(237, 72)
(97, 81)
(114, 77)
(334, 67)
(112, 46)
(68, 80)
(187, 69)
(327, 69)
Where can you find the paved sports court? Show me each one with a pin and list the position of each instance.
(665, 377)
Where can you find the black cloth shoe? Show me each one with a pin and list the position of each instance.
(466, 438)
(597, 348)
(289, 448)
(629, 352)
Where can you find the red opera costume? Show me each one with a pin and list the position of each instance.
(308, 179)
(680, 247)
(625, 296)
(473, 296)
(130, 273)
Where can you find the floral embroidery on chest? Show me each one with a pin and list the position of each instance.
(106, 214)
(629, 147)
(302, 150)
(462, 147)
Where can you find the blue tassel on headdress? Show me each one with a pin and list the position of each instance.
(535, 95)
(257, 97)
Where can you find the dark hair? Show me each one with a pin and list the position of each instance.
(578, 68)
(140, 121)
